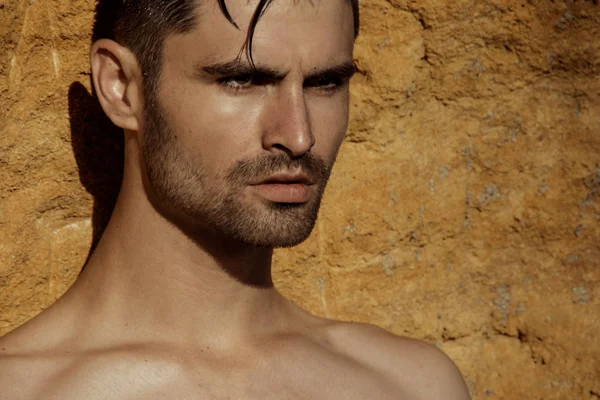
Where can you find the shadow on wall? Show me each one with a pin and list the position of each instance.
(98, 146)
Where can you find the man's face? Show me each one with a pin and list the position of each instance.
(247, 153)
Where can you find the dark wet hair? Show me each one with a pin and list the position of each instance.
(143, 25)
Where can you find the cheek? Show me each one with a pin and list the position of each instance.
(215, 127)
(329, 121)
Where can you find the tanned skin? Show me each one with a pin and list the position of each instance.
(175, 302)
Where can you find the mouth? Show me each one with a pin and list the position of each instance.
(287, 179)
(286, 188)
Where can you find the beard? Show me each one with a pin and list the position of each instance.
(190, 194)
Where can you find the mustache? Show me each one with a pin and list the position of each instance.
(255, 169)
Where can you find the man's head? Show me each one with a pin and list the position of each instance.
(143, 25)
(231, 143)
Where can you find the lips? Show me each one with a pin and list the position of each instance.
(286, 188)
(300, 179)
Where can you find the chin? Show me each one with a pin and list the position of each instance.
(273, 225)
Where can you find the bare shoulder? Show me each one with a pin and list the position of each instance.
(21, 374)
(416, 366)
(32, 357)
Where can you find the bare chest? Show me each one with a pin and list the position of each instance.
(277, 383)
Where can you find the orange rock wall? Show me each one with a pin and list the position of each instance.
(464, 209)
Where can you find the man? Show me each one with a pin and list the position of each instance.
(233, 115)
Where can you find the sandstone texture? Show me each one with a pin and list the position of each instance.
(464, 209)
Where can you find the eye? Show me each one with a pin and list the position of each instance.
(238, 82)
(327, 84)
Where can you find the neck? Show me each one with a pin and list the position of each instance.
(149, 275)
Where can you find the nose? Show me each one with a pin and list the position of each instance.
(289, 127)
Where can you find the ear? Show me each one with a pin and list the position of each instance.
(116, 75)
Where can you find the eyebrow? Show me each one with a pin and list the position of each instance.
(236, 67)
(343, 71)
